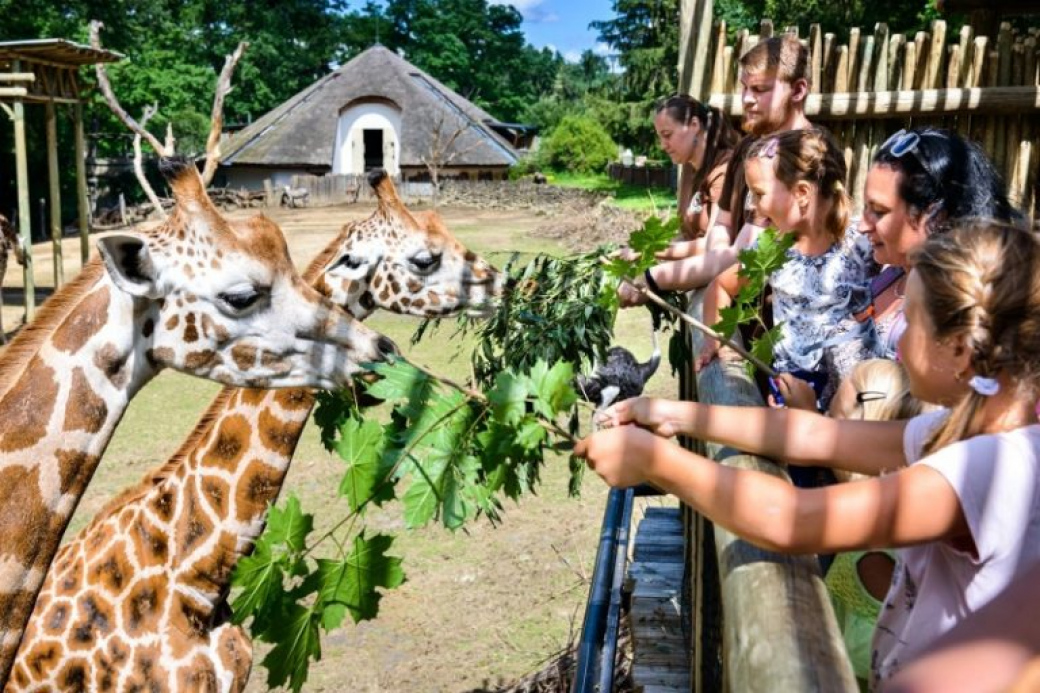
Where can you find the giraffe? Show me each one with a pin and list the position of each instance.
(196, 294)
(137, 600)
(9, 241)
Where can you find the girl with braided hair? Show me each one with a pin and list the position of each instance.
(957, 488)
(821, 296)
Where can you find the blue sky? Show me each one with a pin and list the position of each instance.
(562, 24)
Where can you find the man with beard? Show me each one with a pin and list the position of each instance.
(775, 80)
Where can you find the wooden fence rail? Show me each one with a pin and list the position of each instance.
(776, 629)
(985, 88)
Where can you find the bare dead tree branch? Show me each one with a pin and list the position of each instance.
(149, 111)
(110, 97)
(217, 116)
(442, 150)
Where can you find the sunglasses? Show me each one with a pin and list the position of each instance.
(905, 142)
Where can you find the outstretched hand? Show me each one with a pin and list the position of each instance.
(653, 414)
(621, 456)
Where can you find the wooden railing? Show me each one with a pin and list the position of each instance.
(985, 88)
(761, 621)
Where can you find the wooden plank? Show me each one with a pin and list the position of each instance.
(24, 213)
(718, 65)
(853, 60)
(765, 29)
(902, 104)
(965, 44)
(82, 203)
(54, 196)
(936, 52)
(815, 57)
(829, 63)
(645, 675)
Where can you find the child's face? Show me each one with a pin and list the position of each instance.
(770, 196)
(887, 222)
(931, 364)
(680, 142)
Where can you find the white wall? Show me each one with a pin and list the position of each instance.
(253, 178)
(348, 154)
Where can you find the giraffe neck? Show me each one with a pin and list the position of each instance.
(210, 499)
(64, 385)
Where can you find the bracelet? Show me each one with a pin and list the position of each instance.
(651, 284)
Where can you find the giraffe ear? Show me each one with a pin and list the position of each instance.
(129, 263)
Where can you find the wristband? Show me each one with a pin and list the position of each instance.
(651, 284)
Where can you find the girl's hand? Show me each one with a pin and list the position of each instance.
(621, 456)
(655, 415)
(797, 393)
(626, 254)
(709, 350)
(629, 295)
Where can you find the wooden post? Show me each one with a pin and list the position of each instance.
(695, 22)
(83, 206)
(55, 192)
(24, 213)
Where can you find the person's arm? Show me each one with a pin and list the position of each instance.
(680, 250)
(717, 296)
(796, 436)
(909, 507)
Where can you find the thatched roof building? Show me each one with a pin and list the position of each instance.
(378, 110)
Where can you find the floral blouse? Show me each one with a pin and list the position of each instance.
(816, 299)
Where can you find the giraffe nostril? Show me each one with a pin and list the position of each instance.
(386, 348)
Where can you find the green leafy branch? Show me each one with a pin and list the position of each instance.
(448, 453)
(756, 265)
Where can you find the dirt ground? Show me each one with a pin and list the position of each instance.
(480, 608)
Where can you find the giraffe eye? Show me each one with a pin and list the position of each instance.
(425, 263)
(349, 261)
(240, 300)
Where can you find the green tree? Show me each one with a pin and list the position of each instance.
(580, 144)
(645, 36)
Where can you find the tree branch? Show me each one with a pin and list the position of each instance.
(149, 111)
(113, 103)
(217, 116)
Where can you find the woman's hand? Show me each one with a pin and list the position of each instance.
(659, 416)
(622, 456)
(629, 295)
(709, 350)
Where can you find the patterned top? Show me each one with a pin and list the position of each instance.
(816, 298)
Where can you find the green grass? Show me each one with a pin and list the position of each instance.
(626, 196)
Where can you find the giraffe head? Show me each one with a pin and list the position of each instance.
(222, 300)
(405, 263)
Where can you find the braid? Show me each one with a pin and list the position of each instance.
(981, 286)
(813, 156)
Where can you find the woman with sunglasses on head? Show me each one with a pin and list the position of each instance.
(960, 499)
(920, 183)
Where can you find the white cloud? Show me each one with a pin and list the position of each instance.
(531, 10)
(572, 56)
(601, 49)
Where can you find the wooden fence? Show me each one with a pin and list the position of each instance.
(985, 88)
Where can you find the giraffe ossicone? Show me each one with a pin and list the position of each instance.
(198, 294)
(136, 601)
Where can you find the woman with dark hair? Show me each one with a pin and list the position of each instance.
(922, 181)
(700, 140)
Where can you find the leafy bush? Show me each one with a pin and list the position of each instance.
(579, 144)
